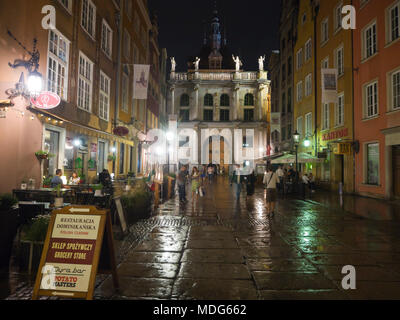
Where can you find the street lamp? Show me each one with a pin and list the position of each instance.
(35, 83)
(170, 137)
(307, 143)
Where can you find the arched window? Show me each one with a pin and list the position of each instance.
(249, 100)
(184, 100)
(225, 101)
(208, 100)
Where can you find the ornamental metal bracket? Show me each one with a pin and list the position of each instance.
(33, 63)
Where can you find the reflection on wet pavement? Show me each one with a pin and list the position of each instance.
(219, 248)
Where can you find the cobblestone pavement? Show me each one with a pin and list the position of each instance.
(227, 250)
(223, 249)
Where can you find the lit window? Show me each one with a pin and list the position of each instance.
(58, 62)
(85, 83)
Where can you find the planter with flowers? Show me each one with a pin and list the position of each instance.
(44, 155)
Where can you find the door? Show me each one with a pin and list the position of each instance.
(396, 171)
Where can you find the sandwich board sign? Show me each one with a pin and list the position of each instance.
(79, 244)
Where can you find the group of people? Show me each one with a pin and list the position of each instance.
(74, 180)
(197, 178)
(104, 179)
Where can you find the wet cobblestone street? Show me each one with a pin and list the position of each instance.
(220, 249)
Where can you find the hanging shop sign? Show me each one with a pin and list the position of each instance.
(79, 244)
(121, 131)
(343, 148)
(46, 100)
(335, 135)
(329, 85)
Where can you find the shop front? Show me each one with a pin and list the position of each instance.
(336, 171)
(84, 151)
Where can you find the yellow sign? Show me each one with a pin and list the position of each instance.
(343, 148)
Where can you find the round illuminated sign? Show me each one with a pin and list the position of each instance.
(46, 100)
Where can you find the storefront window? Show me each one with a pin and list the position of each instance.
(121, 158)
(373, 164)
(102, 149)
(51, 143)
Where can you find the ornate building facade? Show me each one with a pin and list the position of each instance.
(218, 112)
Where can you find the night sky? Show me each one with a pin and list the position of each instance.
(252, 27)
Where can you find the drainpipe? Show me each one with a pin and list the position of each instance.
(352, 102)
(120, 20)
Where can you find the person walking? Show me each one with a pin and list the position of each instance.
(250, 183)
(181, 182)
(280, 175)
(236, 180)
(271, 181)
(195, 177)
(305, 181)
(210, 172)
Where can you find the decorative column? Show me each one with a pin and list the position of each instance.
(173, 111)
(196, 113)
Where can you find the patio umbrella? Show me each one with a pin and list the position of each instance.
(301, 158)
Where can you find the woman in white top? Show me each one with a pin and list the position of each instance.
(74, 180)
(271, 180)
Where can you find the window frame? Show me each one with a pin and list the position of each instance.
(89, 4)
(85, 80)
(106, 41)
(364, 39)
(366, 102)
(389, 30)
(59, 61)
(339, 110)
(105, 94)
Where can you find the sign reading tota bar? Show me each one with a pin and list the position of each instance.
(72, 252)
(336, 135)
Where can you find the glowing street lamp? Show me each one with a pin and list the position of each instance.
(307, 143)
(35, 83)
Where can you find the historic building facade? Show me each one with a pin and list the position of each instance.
(87, 61)
(221, 112)
(377, 98)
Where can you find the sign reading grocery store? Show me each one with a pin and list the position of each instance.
(46, 100)
(336, 135)
(76, 237)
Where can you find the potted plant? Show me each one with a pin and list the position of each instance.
(47, 181)
(32, 238)
(111, 158)
(8, 227)
(137, 203)
(24, 184)
(98, 190)
(43, 155)
(59, 200)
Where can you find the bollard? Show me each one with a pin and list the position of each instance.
(341, 188)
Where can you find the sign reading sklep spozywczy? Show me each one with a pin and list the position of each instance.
(70, 254)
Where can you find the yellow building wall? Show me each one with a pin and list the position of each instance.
(305, 32)
(345, 85)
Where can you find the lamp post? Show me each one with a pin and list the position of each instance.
(296, 140)
(170, 137)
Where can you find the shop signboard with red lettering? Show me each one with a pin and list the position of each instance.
(46, 100)
(340, 134)
(72, 252)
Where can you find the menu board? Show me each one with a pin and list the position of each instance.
(71, 252)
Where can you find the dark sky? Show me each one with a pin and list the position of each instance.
(252, 27)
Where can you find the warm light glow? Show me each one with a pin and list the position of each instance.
(77, 143)
(307, 143)
(35, 83)
(170, 136)
(113, 149)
